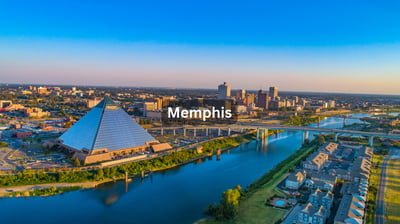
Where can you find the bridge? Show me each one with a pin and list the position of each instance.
(262, 129)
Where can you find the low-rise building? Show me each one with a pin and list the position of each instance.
(329, 148)
(35, 112)
(21, 133)
(351, 210)
(295, 179)
(316, 162)
(312, 214)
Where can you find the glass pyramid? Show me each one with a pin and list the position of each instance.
(106, 126)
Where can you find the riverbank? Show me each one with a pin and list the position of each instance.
(90, 179)
(46, 189)
(252, 208)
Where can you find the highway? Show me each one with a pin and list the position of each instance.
(286, 128)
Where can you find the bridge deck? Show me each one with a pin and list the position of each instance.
(286, 128)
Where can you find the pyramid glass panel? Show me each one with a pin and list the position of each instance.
(106, 126)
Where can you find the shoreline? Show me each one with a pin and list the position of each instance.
(8, 191)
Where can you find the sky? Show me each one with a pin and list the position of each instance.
(313, 46)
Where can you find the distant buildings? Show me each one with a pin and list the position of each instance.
(35, 112)
(21, 133)
(5, 103)
(42, 90)
(224, 91)
(93, 102)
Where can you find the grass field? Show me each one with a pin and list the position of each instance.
(392, 193)
(252, 209)
(373, 186)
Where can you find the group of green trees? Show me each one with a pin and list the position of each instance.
(302, 120)
(228, 206)
(28, 177)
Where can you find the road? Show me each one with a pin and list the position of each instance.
(286, 128)
(380, 197)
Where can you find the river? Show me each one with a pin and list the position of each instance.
(176, 195)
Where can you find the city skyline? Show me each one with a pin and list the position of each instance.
(301, 48)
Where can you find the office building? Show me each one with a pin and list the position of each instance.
(273, 92)
(224, 91)
(262, 100)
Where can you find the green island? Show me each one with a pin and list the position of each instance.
(300, 120)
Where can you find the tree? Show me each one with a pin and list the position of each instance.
(99, 174)
(319, 139)
(3, 144)
(68, 124)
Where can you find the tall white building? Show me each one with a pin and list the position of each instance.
(224, 91)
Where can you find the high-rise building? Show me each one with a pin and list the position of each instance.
(224, 91)
(250, 99)
(241, 94)
(273, 92)
(262, 99)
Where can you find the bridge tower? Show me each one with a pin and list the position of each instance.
(258, 134)
(371, 141)
(266, 136)
(306, 135)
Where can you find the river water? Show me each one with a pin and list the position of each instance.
(177, 195)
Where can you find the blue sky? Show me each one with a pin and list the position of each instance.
(330, 46)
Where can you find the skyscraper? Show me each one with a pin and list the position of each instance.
(273, 92)
(224, 91)
(262, 99)
(241, 94)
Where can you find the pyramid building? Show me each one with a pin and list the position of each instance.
(106, 132)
